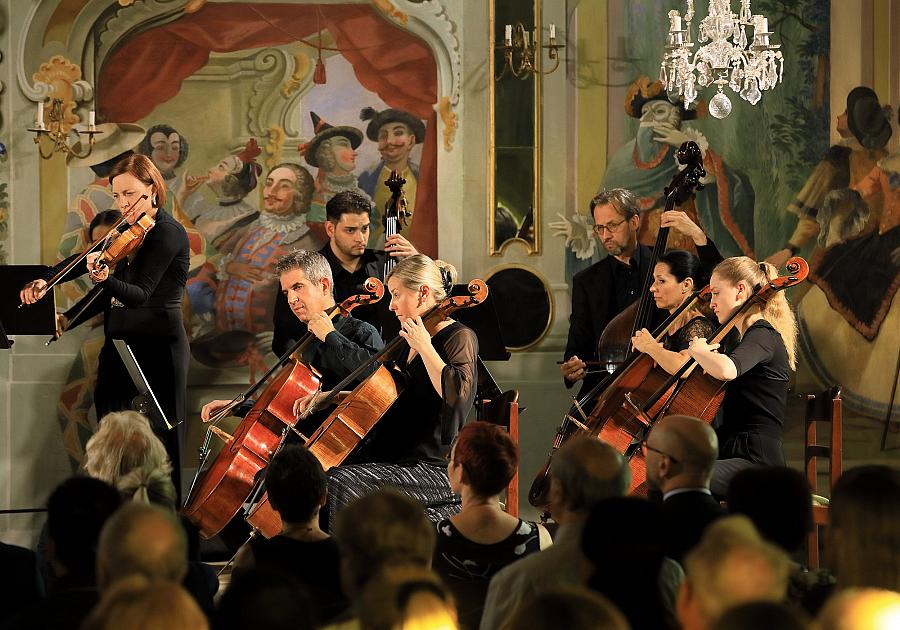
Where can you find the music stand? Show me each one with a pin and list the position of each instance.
(38, 318)
(483, 320)
(145, 402)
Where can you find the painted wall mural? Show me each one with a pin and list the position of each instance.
(256, 114)
(774, 187)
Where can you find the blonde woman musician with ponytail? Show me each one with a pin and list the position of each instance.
(758, 369)
(409, 444)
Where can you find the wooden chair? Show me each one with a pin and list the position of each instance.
(504, 411)
(824, 407)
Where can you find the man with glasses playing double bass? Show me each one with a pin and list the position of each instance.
(608, 287)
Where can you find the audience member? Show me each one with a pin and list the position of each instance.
(585, 471)
(381, 529)
(142, 540)
(407, 597)
(570, 607)
(863, 541)
(297, 484)
(482, 539)
(126, 453)
(732, 565)
(20, 584)
(138, 603)
(621, 539)
(76, 512)
(765, 615)
(777, 500)
(861, 609)
(262, 598)
(680, 453)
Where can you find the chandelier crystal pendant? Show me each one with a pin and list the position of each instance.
(747, 66)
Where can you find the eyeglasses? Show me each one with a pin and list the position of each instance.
(646, 447)
(612, 227)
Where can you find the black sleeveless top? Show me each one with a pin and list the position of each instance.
(456, 558)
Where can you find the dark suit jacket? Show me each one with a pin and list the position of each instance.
(685, 517)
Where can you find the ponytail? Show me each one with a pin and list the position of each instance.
(777, 310)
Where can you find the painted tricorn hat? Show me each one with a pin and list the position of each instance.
(643, 91)
(867, 120)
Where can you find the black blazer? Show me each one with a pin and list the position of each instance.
(685, 517)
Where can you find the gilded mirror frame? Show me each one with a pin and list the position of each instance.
(532, 246)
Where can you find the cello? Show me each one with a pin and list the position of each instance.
(688, 391)
(614, 346)
(396, 215)
(213, 501)
(355, 416)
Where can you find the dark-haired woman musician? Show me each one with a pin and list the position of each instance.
(142, 299)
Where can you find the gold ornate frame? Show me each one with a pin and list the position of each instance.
(533, 248)
(495, 270)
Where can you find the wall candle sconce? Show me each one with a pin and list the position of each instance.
(519, 48)
(57, 135)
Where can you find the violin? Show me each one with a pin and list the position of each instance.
(614, 348)
(396, 215)
(231, 478)
(357, 414)
(124, 243)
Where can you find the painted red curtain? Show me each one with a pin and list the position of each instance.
(150, 68)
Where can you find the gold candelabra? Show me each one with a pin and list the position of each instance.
(519, 49)
(57, 134)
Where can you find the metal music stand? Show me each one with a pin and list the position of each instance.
(36, 319)
(145, 402)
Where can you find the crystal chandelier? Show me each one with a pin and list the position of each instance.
(726, 60)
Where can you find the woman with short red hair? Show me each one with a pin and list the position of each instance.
(481, 539)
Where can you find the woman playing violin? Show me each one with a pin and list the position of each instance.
(675, 277)
(142, 302)
(411, 440)
(758, 369)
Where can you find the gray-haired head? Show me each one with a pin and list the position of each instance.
(624, 201)
(313, 265)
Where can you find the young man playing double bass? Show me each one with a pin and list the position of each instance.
(348, 226)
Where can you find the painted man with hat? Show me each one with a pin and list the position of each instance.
(397, 132)
(865, 128)
(333, 151)
(647, 164)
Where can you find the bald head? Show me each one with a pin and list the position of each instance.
(144, 540)
(681, 453)
(585, 471)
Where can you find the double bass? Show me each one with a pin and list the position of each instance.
(615, 347)
(216, 498)
(357, 414)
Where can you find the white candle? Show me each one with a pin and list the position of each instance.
(676, 22)
(92, 120)
(507, 35)
(525, 35)
(762, 25)
(40, 116)
(553, 31)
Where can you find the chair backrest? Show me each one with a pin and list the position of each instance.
(503, 410)
(498, 410)
(824, 407)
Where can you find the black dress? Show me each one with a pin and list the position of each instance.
(142, 303)
(407, 446)
(467, 567)
(752, 412)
